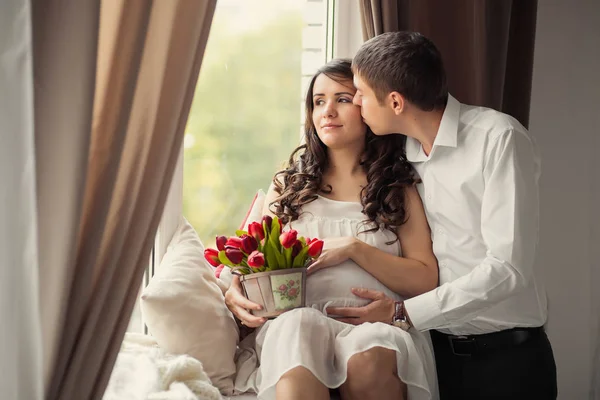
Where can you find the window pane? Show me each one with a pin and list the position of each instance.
(135, 322)
(246, 114)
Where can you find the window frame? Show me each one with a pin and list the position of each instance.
(343, 21)
(343, 37)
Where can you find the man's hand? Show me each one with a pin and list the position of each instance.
(335, 251)
(381, 308)
(239, 305)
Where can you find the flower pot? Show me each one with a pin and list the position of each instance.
(276, 291)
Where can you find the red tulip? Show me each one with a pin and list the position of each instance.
(297, 248)
(257, 231)
(234, 242)
(256, 259)
(219, 270)
(221, 241)
(287, 239)
(212, 256)
(249, 244)
(315, 248)
(267, 222)
(234, 255)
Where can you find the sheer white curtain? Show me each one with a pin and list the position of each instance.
(20, 334)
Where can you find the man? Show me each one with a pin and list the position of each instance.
(479, 170)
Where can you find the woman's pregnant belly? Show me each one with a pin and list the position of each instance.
(332, 287)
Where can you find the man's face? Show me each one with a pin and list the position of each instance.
(378, 116)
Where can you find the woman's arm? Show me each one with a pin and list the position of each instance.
(416, 271)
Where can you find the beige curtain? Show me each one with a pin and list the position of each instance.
(64, 79)
(487, 45)
(114, 81)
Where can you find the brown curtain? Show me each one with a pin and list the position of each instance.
(487, 45)
(114, 81)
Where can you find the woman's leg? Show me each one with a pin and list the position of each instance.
(297, 347)
(299, 384)
(373, 375)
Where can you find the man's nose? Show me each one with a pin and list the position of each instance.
(356, 100)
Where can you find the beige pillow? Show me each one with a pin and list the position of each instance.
(184, 309)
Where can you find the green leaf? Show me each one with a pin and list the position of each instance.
(275, 232)
(244, 271)
(270, 256)
(288, 257)
(280, 260)
(300, 258)
(266, 234)
(223, 258)
(240, 232)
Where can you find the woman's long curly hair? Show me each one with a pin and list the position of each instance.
(384, 162)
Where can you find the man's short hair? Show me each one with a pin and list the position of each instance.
(403, 62)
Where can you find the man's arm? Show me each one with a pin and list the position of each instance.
(509, 227)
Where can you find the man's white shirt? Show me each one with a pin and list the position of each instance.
(480, 193)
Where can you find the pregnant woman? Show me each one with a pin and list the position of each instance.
(355, 191)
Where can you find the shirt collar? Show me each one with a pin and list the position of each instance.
(446, 135)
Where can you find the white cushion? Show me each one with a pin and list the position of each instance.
(255, 212)
(184, 309)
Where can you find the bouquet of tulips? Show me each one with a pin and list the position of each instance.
(263, 248)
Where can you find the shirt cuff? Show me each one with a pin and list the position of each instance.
(424, 311)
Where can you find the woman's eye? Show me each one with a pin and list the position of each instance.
(345, 100)
(318, 102)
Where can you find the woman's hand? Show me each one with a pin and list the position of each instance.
(380, 309)
(335, 251)
(239, 305)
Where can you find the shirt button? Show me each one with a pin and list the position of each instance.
(428, 197)
(443, 265)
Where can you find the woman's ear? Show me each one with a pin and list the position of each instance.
(396, 102)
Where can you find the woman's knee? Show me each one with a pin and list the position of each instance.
(297, 374)
(300, 383)
(370, 370)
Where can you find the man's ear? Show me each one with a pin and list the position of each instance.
(396, 102)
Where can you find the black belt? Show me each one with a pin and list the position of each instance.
(474, 344)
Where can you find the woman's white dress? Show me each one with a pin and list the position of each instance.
(308, 337)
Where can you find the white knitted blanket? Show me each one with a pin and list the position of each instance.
(144, 372)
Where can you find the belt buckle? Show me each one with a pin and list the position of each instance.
(462, 346)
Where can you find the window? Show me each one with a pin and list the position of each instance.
(248, 108)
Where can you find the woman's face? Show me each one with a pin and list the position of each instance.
(338, 122)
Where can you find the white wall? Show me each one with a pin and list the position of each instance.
(565, 120)
(348, 31)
